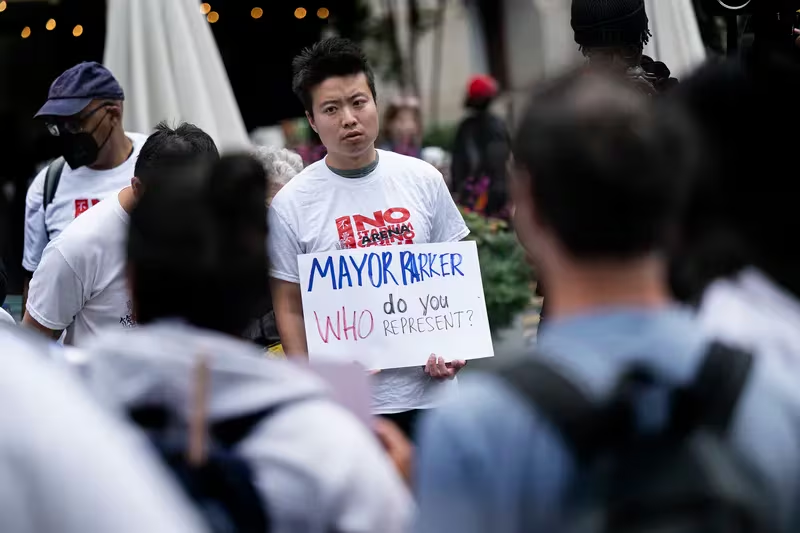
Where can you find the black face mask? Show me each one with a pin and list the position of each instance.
(80, 149)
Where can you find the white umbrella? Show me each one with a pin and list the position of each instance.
(676, 36)
(164, 55)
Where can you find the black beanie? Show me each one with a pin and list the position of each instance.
(610, 23)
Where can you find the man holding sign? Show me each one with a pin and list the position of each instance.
(356, 198)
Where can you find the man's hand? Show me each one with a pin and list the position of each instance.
(397, 446)
(438, 369)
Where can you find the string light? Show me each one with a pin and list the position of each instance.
(51, 25)
(3, 6)
(205, 8)
(323, 13)
(300, 12)
(213, 17)
(77, 31)
(26, 32)
(257, 13)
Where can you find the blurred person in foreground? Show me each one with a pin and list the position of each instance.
(612, 34)
(83, 112)
(480, 153)
(328, 205)
(80, 284)
(197, 275)
(735, 258)
(280, 166)
(597, 181)
(66, 466)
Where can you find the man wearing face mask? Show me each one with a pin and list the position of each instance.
(80, 286)
(84, 113)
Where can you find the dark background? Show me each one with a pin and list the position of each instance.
(257, 54)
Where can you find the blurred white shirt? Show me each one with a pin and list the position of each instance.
(68, 467)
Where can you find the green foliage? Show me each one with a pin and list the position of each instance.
(443, 136)
(506, 275)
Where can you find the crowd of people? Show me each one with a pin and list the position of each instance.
(158, 379)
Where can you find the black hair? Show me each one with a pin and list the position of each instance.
(167, 146)
(741, 210)
(610, 23)
(327, 59)
(607, 165)
(197, 245)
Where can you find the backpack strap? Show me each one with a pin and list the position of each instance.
(51, 179)
(711, 399)
(557, 399)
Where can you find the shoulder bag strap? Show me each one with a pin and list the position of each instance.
(558, 400)
(711, 399)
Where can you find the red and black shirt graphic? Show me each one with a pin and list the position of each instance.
(381, 228)
(82, 205)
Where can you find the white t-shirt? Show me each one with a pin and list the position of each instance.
(80, 284)
(77, 191)
(320, 211)
(753, 312)
(67, 466)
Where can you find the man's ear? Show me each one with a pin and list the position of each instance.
(136, 186)
(310, 118)
(115, 112)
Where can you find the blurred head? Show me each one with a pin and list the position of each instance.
(337, 87)
(597, 172)
(611, 31)
(197, 245)
(83, 110)
(402, 122)
(168, 147)
(280, 166)
(742, 210)
(481, 92)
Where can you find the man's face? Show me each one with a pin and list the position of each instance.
(83, 136)
(97, 119)
(345, 115)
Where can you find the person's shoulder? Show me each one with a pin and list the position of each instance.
(315, 170)
(487, 419)
(319, 426)
(138, 140)
(303, 186)
(36, 189)
(412, 166)
(486, 403)
(358, 475)
(98, 224)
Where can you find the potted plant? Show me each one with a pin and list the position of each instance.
(507, 277)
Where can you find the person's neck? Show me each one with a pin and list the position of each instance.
(127, 199)
(572, 289)
(341, 162)
(117, 150)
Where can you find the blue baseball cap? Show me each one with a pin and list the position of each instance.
(77, 87)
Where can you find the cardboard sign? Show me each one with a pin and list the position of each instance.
(394, 306)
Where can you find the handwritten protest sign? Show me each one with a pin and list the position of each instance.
(394, 306)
